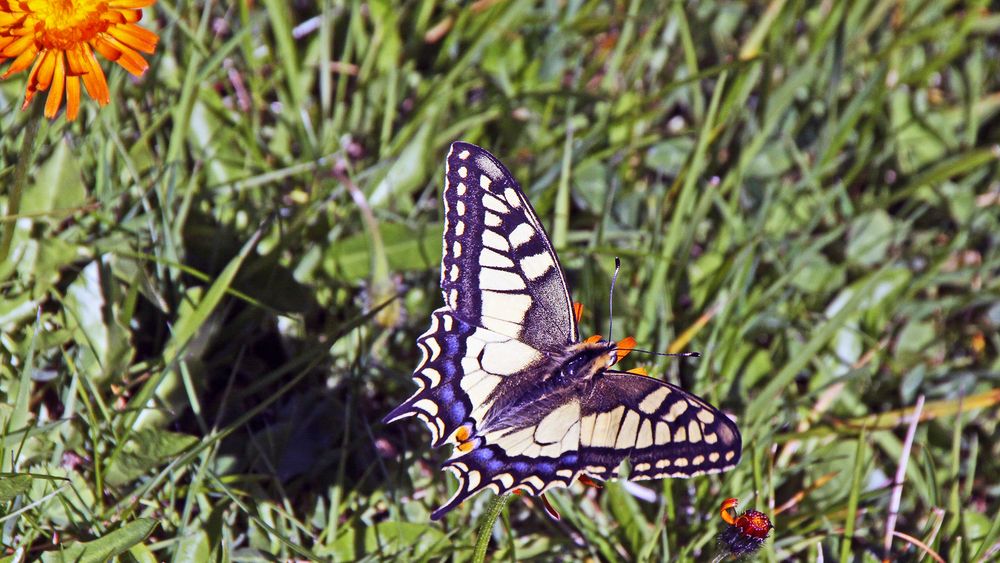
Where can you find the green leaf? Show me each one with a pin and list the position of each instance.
(58, 184)
(105, 348)
(13, 485)
(869, 238)
(106, 547)
(145, 450)
(627, 512)
(405, 250)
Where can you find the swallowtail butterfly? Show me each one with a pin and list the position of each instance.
(505, 378)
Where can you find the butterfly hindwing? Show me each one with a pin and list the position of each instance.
(499, 270)
(663, 430)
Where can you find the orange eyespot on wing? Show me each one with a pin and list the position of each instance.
(577, 310)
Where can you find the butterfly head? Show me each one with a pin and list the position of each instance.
(594, 355)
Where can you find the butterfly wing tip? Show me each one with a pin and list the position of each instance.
(400, 412)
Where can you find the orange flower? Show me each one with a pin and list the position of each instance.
(57, 39)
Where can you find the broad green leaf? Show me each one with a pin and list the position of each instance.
(406, 174)
(145, 450)
(104, 347)
(58, 184)
(405, 250)
(869, 238)
(13, 485)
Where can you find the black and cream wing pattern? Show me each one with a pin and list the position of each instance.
(505, 378)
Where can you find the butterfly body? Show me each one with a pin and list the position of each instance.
(506, 379)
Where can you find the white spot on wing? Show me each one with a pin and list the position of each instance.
(507, 307)
(554, 427)
(495, 241)
(494, 259)
(490, 278)
(511, 196)
(694, 431)
(653, 401)
(434, 347)
(426, 405)
(645, 438)
(522, 234)
(536, 266)
(492, 220)
(493, 203)
(506, 358)
(433, 376)
(676, 410)
(627, 433)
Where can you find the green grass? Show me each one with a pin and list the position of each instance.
(210, 289)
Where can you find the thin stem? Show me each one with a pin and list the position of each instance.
(486, 527)
(24, 159)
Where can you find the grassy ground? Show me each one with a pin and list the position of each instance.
(214, 284)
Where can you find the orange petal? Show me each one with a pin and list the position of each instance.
(593, 339)
(94, 81)
(19, 46)
(42, 75)
(23, 60)
(135, 37)
(57, 76)
(627, 343)
(639, 371)
(577, 310)
(72, 97)
(76, 58)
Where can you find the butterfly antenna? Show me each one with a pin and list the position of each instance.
(677, 355)
(611, 299)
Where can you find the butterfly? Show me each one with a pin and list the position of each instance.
(506, 379)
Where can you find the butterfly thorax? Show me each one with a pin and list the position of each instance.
(570, 374)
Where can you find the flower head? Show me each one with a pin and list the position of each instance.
(57, 40)
(746, 532)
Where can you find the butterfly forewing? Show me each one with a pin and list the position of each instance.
(499, 270)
